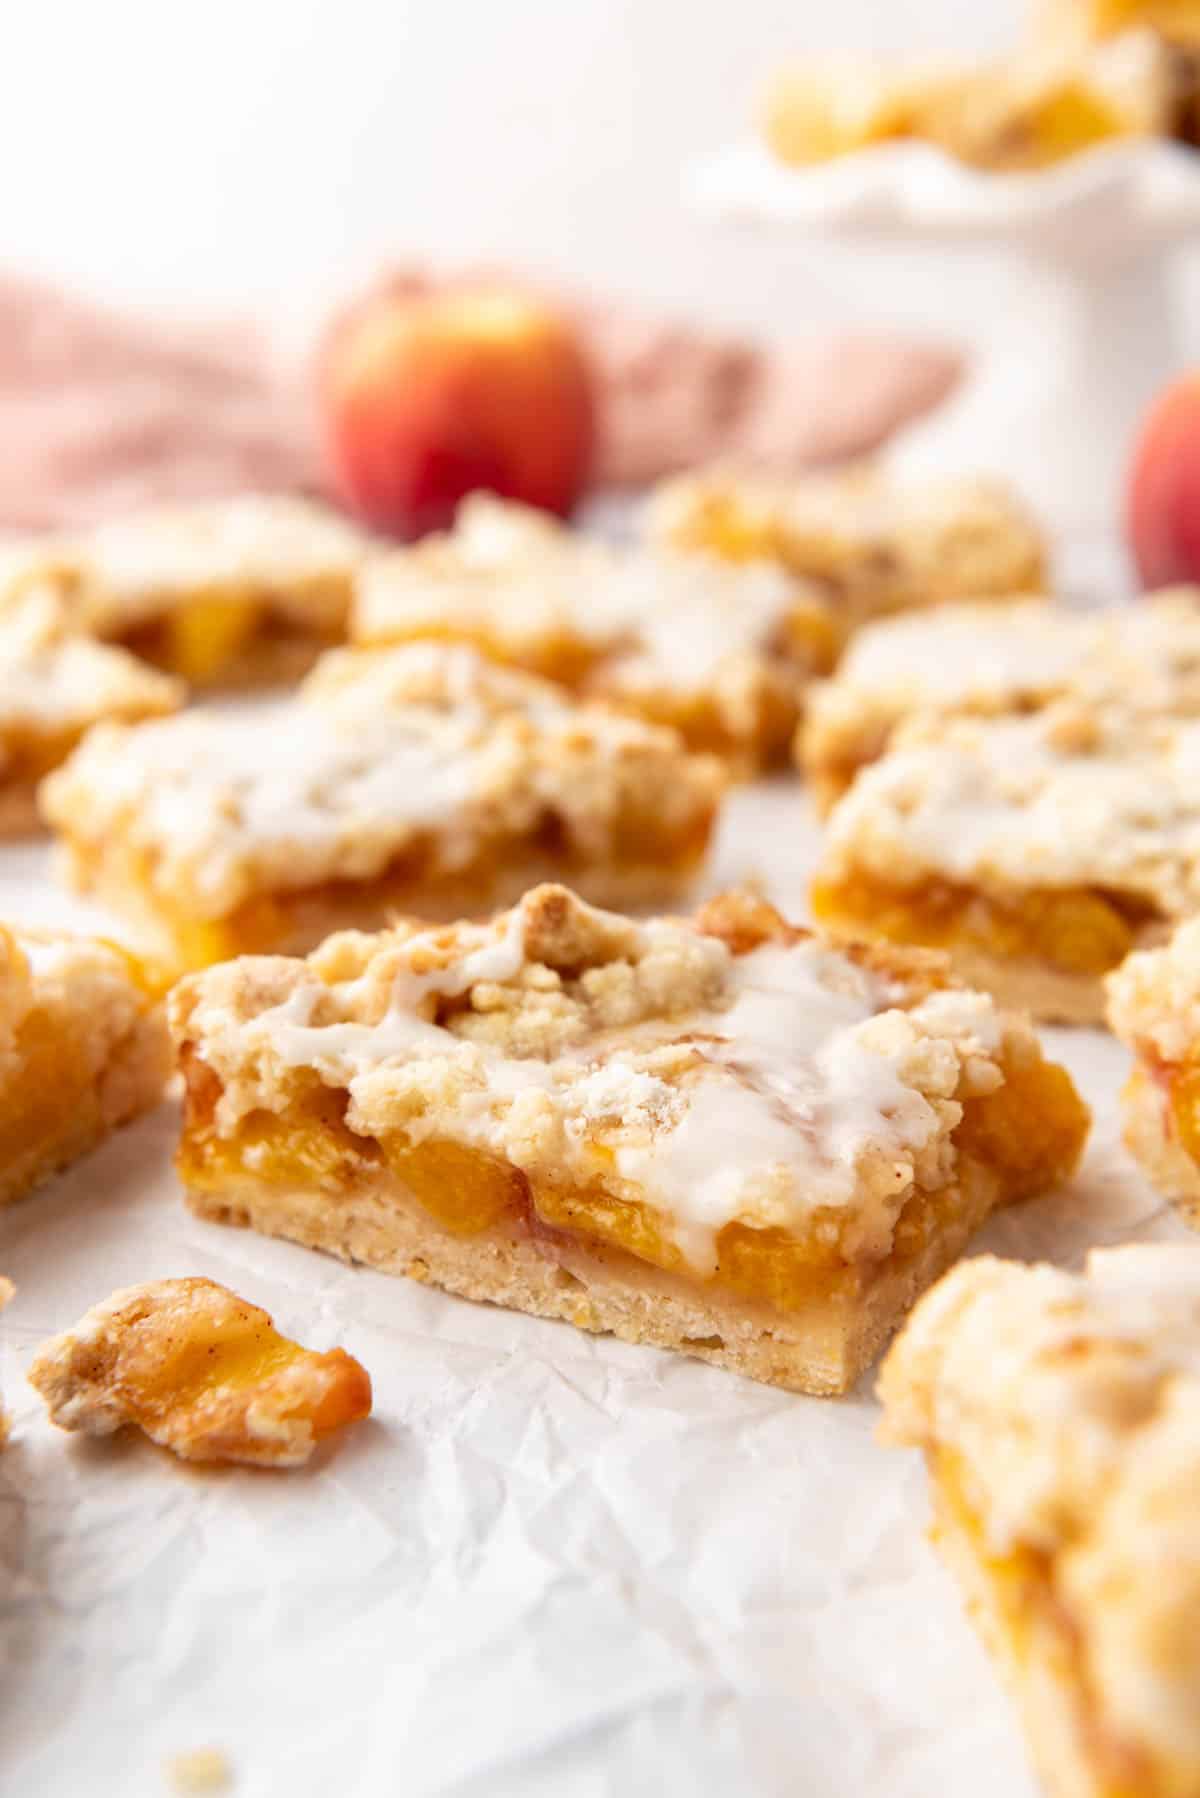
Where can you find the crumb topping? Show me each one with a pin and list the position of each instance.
(53, 682)
(275, 543)
(1072, 1404)
(1080, 795)
(381, 751)
(1154, 998)
(724, 1068)
(980, 658)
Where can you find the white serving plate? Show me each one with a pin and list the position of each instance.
(1080, 332)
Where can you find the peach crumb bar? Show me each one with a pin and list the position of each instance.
(1154, 1007)
(720, 1135)
(234, 592)
(987, 659)
(1059, 1415)
(83, 1049)
(721, 653)
(421, 779)
(871, 543)
(1038, 851)
(54, 685)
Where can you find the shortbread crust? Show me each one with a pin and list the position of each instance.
(722, 653)
(421, 778)
(1038, 851)
(986, 659)
(872, 544)
(722, 1136)
(83, 1049)
(1060, 1416)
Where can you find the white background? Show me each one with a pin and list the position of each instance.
(274, 149)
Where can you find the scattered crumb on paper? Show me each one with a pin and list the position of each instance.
(200, 1770)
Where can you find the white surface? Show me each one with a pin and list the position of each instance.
(550, 1564)
(1081, 331)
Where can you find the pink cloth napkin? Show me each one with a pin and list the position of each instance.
(101, 412)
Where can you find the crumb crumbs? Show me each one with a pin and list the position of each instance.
(200, 1770)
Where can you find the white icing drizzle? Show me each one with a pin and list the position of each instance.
(1006, 801)
(253, 538)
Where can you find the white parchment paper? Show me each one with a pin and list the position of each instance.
(549, 1565)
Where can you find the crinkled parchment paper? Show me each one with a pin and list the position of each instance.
(550, 1564)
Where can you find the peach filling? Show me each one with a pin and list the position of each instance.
(1080, 930)
(200, 638)
(284, 919)
(1026, 1135)
(46, 1095)
(26, 759)
(1182, 1085)
(1071, 121)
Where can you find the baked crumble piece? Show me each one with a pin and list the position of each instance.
(720, 1135)
(1039, 851)
(201, 1372)
(872, 545)
(241, 591)
(830, 106)
(1154, 1007)
(422, 778)
(985, 659)
(54, 685)
(1060, 1418)
(1086, 21)
(1046, 104)
(1063, 93)
(83, 1049)
(721, 653)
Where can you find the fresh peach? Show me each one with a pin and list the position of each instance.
(1163, 518)
(428, 396)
